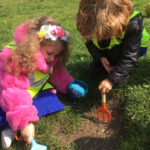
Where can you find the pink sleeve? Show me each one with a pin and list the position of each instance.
(16, 101)
(60, 78)
(18, 106)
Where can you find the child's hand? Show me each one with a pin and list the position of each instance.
(106, 64)
(28, 133)
(105, 86)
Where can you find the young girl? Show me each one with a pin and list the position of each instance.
(37, 55)
(115, 38)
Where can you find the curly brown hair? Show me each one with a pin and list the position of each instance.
(25, 55)
(103, 19)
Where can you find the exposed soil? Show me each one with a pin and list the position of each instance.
(96, 135)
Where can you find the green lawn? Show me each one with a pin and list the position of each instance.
(136, 94)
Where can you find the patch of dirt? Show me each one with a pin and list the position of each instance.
(96, 135)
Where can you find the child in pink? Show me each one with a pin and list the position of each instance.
(37, 55)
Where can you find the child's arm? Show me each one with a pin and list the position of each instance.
(17, 103)
(94, 51)
(130, 48)
(60, 78)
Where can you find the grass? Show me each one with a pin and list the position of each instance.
(136, 94)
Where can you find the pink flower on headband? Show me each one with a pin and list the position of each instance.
(59, 32)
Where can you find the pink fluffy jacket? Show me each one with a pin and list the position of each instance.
(14, 98)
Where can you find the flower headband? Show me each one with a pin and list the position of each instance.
(53, 33)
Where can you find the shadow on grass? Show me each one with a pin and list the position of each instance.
(91, 143)
(79, 70)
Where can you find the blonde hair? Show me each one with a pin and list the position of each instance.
(103, 19)
(25, 55)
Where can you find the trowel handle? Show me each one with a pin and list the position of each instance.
(33, 143)
(103, 98)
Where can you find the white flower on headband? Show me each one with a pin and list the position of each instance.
(53, 32)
